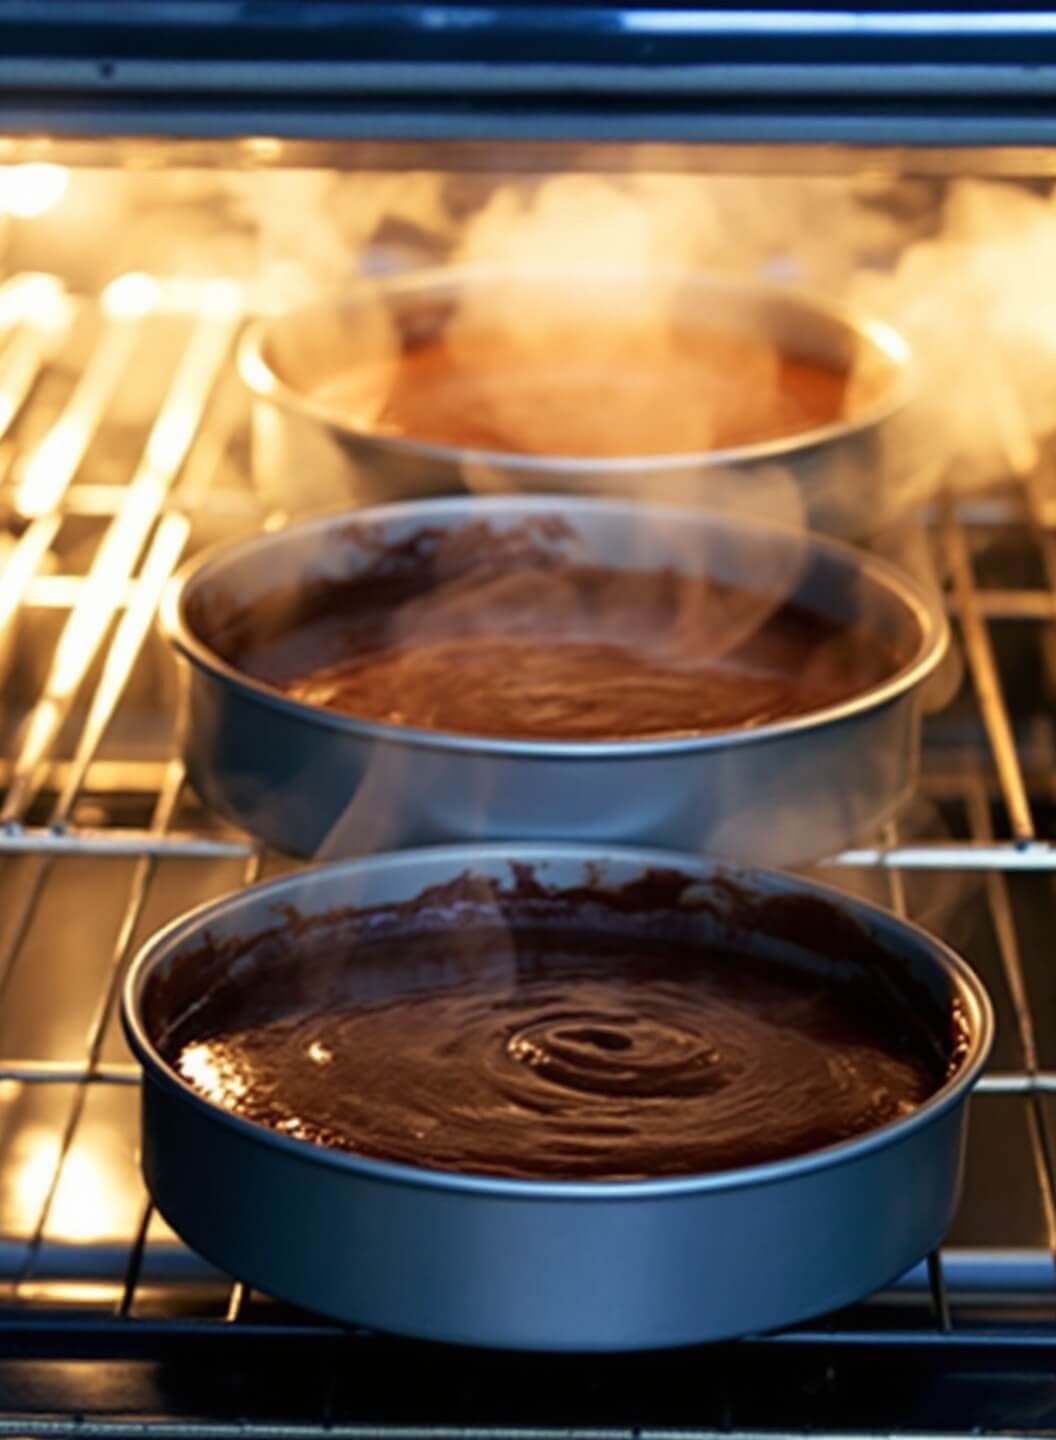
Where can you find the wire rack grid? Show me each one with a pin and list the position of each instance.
(122, 448)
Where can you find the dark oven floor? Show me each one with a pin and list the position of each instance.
(106, 1321)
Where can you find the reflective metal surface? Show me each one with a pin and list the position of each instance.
(317, 783)
(550, 1264)
(337, 69)
(850, 473)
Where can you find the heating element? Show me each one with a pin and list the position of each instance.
(122, 450)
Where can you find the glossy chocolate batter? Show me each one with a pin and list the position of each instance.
(519, 643)
(593, 1037)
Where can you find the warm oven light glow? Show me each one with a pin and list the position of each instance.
(34, 299)
(27, 191)
(85, 1200)
(130, 296)
(222, 299)
(82, 1207)
(263, 148)
(33, 1172)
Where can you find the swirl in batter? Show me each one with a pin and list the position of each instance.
(567, 1053)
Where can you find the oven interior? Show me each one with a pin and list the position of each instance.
(125, 446)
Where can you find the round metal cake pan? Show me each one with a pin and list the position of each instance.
(851, 475)
(325, 785)
(550, 1264)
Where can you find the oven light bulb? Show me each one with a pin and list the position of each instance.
(27, 191)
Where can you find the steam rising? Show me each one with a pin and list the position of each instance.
(587, 307)
(962, 270)
(976, 300)
(593, 285)
(318, 229)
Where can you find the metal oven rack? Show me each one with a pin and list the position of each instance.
(122, 448)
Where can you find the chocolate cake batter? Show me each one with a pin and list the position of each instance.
(709, 396)
(592, 1038)
(515, 642)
